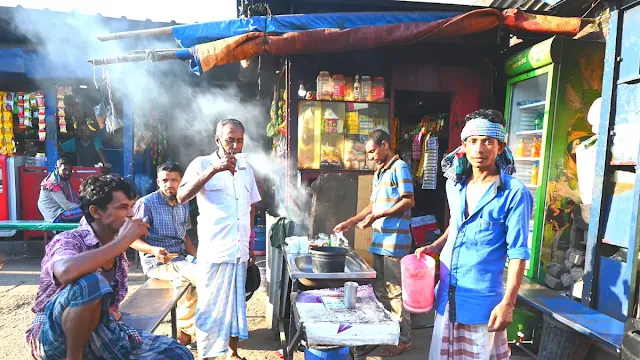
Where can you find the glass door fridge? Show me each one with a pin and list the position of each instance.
(528, 136)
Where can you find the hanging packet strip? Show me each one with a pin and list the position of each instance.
(430, 164)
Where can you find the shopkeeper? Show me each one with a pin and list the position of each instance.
(87, 147)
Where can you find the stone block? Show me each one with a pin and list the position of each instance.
(557, 270)
(553, 283)
(577, 273)
(567, 280)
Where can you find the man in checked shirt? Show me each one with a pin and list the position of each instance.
(164, 250)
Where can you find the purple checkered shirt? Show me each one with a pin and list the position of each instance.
(65, 245)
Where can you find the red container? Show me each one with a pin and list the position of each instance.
(30, 178)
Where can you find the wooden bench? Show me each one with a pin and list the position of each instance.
(600, 327)
(149, 305)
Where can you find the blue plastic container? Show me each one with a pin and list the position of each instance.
(333, 354)
(261, 240)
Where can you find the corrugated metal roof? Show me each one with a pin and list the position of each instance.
(531, 5)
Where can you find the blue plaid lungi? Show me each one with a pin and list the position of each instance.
(111, 339)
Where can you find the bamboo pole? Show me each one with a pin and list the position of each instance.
(158, 55)
(136, 34)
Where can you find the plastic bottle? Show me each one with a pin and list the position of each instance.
(356, 89)
(534, 174)
(338, 87)
(324, 86)
(418, 282)
(520, 149)
(366, 88)
(539, 120)
(535, 148)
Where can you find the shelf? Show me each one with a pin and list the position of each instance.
(530, 159)
(529, 133)
(533, 106)
(623, 163)
(347, 102)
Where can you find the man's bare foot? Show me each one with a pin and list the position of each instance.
(184, 339)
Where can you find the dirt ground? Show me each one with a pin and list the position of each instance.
(19, 280)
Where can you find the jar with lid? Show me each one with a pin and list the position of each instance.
(325, 86)
(348, 89)
(338, 87)
(378, 89)
(366, 88)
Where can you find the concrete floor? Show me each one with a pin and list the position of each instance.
(19, 279)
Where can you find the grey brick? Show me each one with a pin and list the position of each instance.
(553, 283)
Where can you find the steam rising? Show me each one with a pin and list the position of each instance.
(191, 104)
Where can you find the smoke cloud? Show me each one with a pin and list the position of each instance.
(191, 105)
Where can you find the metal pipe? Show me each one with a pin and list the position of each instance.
(139, 56)
(136, 34)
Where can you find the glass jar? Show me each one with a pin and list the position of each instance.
(348, 89)
(325, 86)
(338, 87)
(378, 89)
(366, 88)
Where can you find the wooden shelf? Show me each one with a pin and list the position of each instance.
(348, 102)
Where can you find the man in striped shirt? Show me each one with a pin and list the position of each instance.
(389, 213)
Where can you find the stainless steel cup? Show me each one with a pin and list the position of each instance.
(350, 294)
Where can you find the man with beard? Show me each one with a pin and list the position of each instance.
(58, 203)
(83, 280)
(164, 250)
(490, 212)
(389, 213)
(226, 195)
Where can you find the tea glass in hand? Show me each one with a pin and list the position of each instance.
(241, 161)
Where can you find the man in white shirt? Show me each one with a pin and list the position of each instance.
(226, 195)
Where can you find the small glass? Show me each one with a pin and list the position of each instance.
(241, 161)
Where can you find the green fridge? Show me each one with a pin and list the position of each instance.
(550, 89)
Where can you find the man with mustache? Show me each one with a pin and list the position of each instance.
(58, 202)
(226, 195)
(389, 213)
(83, 280)
(490, 212)
(164, 250)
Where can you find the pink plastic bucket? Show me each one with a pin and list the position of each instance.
(418, 279)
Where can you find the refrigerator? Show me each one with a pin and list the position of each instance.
(550, 88)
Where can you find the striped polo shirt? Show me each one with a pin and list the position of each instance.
(391, 235)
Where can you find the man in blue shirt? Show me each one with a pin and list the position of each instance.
(88, 149)
(490, 213)
(163, 252)
(389, 214)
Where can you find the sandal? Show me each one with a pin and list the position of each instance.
(390, 351)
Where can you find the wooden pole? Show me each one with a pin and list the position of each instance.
(136, 34)
(159, 55)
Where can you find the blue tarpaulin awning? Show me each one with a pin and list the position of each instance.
(194, 34)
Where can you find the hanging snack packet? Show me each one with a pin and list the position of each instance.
(33, 101)
(42, 135)
(40, 99)
(8, 101)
